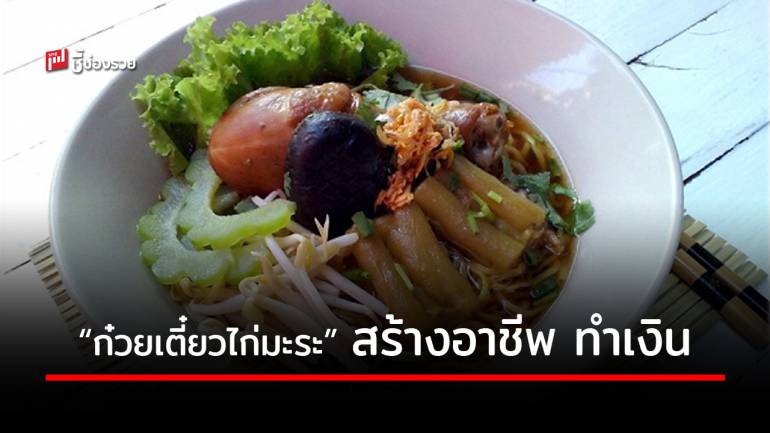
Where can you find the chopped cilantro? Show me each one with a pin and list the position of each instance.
(538, 183)
(382, 99)
(401, 84)
(582, 218)
(366, 113)
(475, 94)
(563, 190)
(544, 287)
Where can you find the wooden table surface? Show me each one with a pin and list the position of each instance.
(705, 62)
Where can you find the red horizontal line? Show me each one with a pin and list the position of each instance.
(385, 377)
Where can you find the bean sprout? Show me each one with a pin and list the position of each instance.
(354, 291)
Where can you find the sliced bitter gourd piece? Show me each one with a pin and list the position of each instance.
(162, 251)
(205, 228)
(247, 262)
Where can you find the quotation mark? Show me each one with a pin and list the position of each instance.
(330, 333)
(85, 333)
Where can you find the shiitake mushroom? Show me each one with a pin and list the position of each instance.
(336, 167)
(248, 144)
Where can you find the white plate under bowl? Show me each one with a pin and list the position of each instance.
(607, 129)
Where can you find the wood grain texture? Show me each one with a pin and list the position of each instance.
(731, 197)
(705, 63)
(25, 181)
(735, 82)
(27, 311)
(631, 28)
(59, 24)
(711, 82)
(61, 97)
(39, 109)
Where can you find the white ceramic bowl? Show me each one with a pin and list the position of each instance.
(607, 129)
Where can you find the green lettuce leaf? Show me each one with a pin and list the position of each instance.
(316, 45)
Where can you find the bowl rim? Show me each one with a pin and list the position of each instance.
(674, 162)
(675, 220)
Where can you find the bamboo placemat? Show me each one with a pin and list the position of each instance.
(676, 305)
(42, 258)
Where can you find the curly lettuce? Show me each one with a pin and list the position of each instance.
(316, 45)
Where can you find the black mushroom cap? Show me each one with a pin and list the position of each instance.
(336, 166)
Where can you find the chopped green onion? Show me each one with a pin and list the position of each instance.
(404, 276)
(437, 91)
(532, 257)
(507, 170)
(484, 210)
(428, 96)
(357, 275)
(472, 223)
(554, 167)
(417, 93)
(454, 181)
(287, 184)
(453, 144)
(495, 196)
(544, 287)
(363, 224)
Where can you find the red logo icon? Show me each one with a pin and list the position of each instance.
(56, 60)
